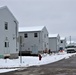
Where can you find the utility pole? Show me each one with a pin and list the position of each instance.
(20, 49)
(70, 39)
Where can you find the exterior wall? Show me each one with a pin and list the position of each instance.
(58, 42)
(45, 40)
(29, 43)
(54, 43)
(9, 35)
(63, 43)
(33, 44)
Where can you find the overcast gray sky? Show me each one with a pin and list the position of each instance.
(59, 16)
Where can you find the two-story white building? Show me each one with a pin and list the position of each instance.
(9, 45)
(63, 43)
(33, 39)
(54, 42)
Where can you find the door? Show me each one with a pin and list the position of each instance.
(6, 45)
(34, 49)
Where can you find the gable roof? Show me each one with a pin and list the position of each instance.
(5, 7)
(31, 29)
(53, 35)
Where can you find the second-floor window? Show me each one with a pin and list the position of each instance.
(61, 41)
(35, 35)
(6, 25)
(6, 44)
(25, 35)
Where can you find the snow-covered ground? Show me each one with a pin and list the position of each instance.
(31, 61)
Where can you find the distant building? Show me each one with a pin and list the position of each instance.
(9, 45)
(70, 42)
(34, 39)
(54, 42)
(63, 43)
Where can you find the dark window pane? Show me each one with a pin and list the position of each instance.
(5, 44)
(25, 35)
(6, 25)
(35, 35)
(61, 41)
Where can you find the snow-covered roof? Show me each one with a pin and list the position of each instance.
(62, 38)
(53, 35)
(30, 29)
(3, 7)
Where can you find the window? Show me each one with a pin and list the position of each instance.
(25, 35)
(16, 50)
(6, 44)
(35, 35)
(61, 41)
(6, 25)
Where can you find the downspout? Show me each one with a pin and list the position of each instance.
(39, 42)
(56, 44)
(42, 40)
(16, 33)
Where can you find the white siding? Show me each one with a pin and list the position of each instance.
(45, 39)
(34, 43)
(54, 43)
(29, 42)
(6, 16)
(63, 43)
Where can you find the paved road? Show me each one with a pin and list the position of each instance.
(63, 67)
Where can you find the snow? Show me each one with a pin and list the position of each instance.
(62, 38)
(6, 70)
(7, 65)
(29, 29)
(53, 35)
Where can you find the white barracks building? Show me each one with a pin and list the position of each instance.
(9, 45)
(34, 39)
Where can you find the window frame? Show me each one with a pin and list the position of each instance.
(6, 44)
(6, 25)
(61, 41)
(36, 35)
(25, 35)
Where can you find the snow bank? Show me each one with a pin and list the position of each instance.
(31, 61)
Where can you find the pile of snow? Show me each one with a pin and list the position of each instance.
(31, 61)
(62, 52)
